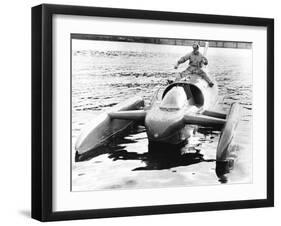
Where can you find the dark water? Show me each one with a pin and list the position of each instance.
(106, 73)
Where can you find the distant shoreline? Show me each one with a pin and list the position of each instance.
(165, 41)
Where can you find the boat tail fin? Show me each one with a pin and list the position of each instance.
(203, 120)
(136, 115)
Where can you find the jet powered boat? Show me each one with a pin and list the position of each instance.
(170, 119)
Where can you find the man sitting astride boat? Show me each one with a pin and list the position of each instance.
(196, 61)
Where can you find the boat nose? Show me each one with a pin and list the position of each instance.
(159, 126)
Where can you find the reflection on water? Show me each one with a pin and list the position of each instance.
(102, 78)
(157, 157)
(162, 159)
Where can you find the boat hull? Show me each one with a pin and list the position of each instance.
(175, 138)
(103, 127)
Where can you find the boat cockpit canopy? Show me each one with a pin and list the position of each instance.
(175, 99)
(192, 93)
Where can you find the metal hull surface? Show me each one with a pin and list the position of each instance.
(103, 127)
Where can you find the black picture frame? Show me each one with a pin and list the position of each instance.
(42, 107)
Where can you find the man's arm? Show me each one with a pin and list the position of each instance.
(182, 60)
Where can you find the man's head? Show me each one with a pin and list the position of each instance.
(195, 47)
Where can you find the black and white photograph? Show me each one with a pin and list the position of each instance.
(156, 112)
(140, 113)
(143, 112)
